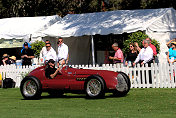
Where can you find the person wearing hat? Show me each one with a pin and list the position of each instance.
(6, 60)
(13, 59)
(29, 46)
(118, 57)
(169, 42)
(27, 55)
(51, 71)
(171, 55)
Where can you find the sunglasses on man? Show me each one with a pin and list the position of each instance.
(48, 46)
(59, 42)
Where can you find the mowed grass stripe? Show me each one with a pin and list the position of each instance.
(145, 103)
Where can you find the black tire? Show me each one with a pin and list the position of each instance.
(55, 93)
(98, 91)
(124, 86)
(31, 88)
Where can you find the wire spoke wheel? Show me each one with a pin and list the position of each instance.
(122, 84)
(93, 87)
(29, 88)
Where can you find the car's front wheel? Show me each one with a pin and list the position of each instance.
(31, 88)
(95, 87)
(123, 85)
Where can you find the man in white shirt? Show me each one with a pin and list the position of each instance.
(62, 52)
(145, 55)
(47, 53)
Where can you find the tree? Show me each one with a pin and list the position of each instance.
(21, 8)
(37, 47)
(138, 37)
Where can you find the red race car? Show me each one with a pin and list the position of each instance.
(93, 83)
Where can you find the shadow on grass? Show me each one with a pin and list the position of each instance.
(63, 96)
(80, 96)
(70, 96)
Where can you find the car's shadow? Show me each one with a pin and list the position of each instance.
(77, 96)
(63, 96)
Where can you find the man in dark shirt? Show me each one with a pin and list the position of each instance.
(51, 71)
(27, 55)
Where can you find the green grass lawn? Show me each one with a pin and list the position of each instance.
(139, 103)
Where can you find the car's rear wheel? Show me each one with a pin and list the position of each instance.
(31, 88)
(95, 87)
(123, 85)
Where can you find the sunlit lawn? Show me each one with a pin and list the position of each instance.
(139, 103)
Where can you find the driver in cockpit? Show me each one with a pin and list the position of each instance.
(51, 71)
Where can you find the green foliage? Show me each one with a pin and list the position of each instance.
(21, 8)
(138, 37)
(37, 47)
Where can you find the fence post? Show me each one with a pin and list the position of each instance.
(171, 74)
(161, 75)
(138, 79)
(134, 78)
(168, 80)
(174, 75)
(152, 74)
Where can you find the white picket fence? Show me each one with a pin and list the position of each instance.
(163, 75)
(17, 73)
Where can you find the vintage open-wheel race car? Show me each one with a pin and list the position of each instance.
(93, 83)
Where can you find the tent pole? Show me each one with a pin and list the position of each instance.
(93, 51)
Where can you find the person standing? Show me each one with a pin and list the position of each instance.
(118, 57)
(152, 46)
(27, 55)
(62, 52)
(47, 52)
(132, 55)
(171, 55)
(145, 56)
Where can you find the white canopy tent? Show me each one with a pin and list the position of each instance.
(159, 24)
(24, 28)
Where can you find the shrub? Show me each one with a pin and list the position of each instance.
(138, 37)
(37, 47)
